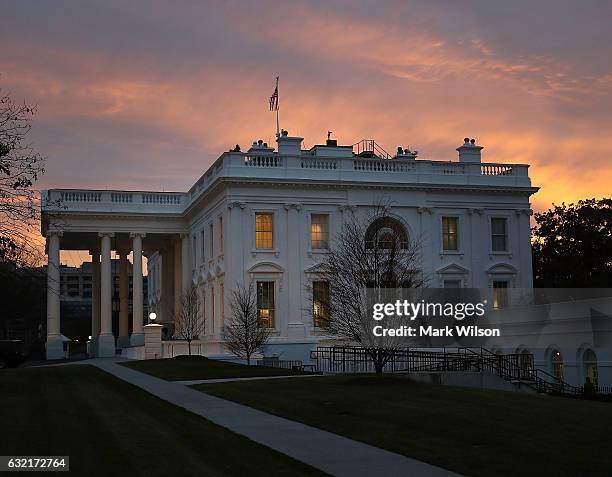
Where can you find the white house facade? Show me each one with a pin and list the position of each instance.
(266, 216)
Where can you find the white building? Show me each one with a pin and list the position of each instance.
(264, 216)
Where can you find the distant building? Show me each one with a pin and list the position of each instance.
(76, 298)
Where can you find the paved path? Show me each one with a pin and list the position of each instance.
(252, 378)
(328, 452)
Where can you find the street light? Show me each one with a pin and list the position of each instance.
(152, 316)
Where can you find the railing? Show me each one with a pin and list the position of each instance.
(318, 163)
(369, 145)
(280, 363)
(160, 198)
(487, 169)
(515, 368)
(80, 196)
(262, 161)
(376, 165)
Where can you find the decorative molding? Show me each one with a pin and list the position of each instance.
(106, 234)
(347, 207)
(295, 206)
(58, 233)
(237, 203)
(138, 234)
(422, 210)
(475, 210)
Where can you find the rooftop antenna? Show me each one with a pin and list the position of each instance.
(329, 133)
(274, 106)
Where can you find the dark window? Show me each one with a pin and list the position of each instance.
(320, 303)
(386, 233)
(499, 234)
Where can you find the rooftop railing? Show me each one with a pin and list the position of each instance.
(267, 166)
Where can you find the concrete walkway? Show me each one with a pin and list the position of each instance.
(253, 378)
(328, 452)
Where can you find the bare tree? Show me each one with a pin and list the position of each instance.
(188, 325)
(20, 168)
(370, 260)
(244, 334)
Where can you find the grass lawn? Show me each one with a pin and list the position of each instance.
(109, 427)
(184, 368)
(474, 432)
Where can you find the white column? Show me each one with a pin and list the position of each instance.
(123, 338)
(106, 340)
(177, 276)
(55, 348)
(95, 301)
(137, 337)
(295, 327)
(185, 263)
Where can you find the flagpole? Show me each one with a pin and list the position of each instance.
(277, 102)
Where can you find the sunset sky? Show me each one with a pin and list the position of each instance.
(146, 94)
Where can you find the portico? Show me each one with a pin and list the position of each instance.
(113, 237)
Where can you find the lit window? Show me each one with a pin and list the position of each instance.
(449, 233)
(263, 230)
(557, 364)
(319, 231)
(499, 234)
(320, 303)
(265, 304)
(500, 294)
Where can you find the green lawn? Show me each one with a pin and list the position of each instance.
(474, 432)
(109, 427)
(184, 368)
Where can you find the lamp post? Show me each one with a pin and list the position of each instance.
(152, 317)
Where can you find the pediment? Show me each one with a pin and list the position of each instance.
(452, 269)
(501, 268)
(266, 267)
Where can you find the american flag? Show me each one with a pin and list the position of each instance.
(274, 98)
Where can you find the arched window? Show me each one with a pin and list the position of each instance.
(386, 233)
(589, 360)
(556, 363)
(525, 363)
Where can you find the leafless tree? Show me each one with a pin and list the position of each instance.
(20, 168)
(371, 260)
(188, 324)
(244, 334)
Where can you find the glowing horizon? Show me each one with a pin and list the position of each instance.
(147, 95)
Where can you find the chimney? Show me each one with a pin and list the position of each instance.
(288, 145)
(469, 151)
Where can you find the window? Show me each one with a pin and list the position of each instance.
(556, 362)
(211, 237)
(499, 234)
(195, 251)
(222, 302)
(320, 303)
(265, 304)
(212, 308)
(319, 231)
(500, 294)
(452, 283)
(263, 230)
(221, 234)
(449, 233)
(386, 233)
(203, 244)
(590, 366)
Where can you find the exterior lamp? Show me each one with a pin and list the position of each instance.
(152, 316)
